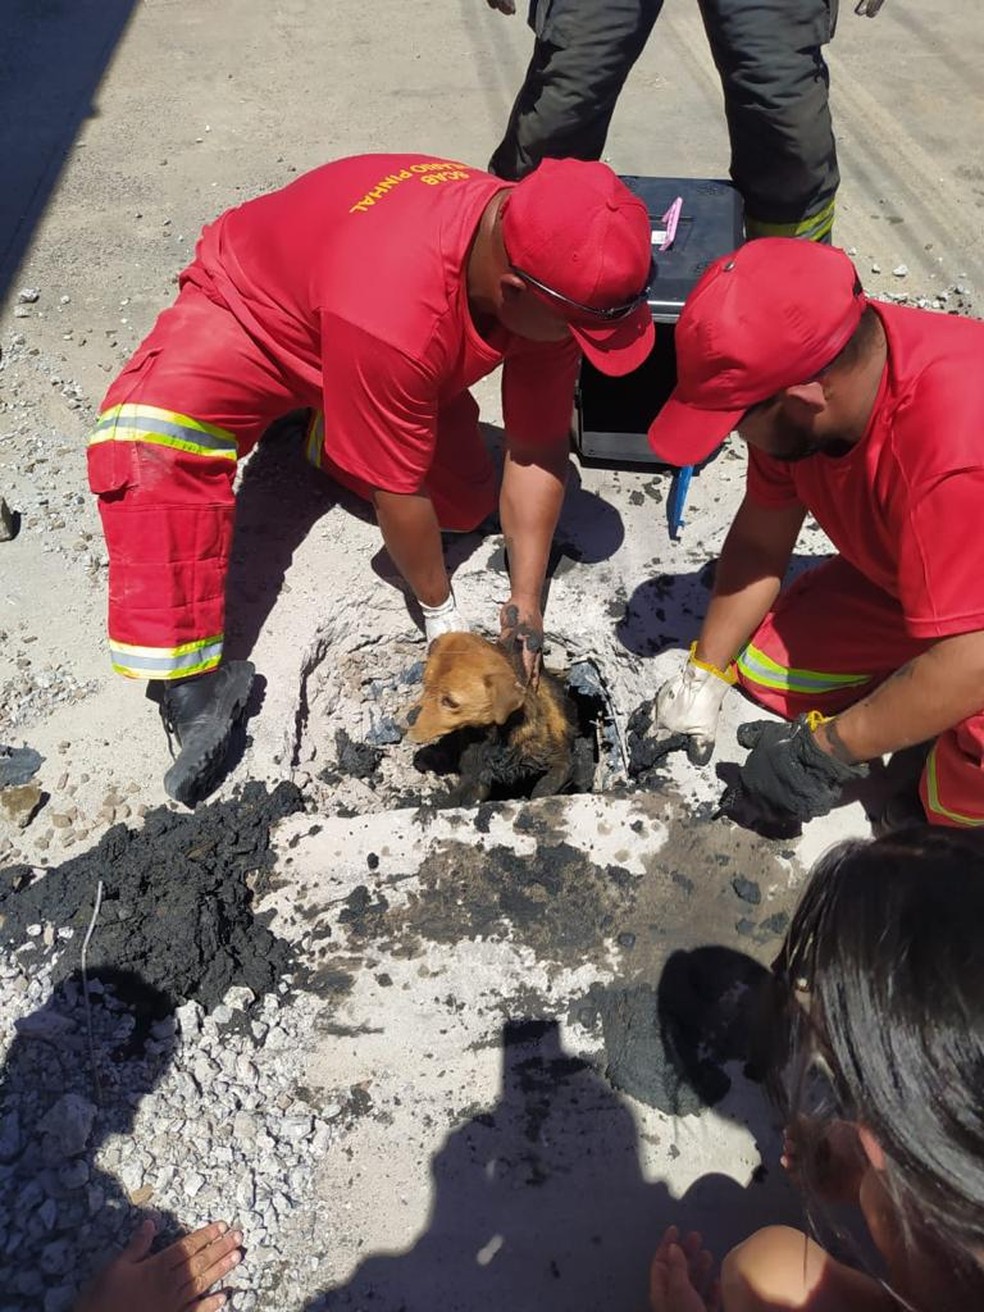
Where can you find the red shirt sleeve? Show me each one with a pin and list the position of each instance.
(380, 408)
(538, 390)
(941, 565)
(769, 482)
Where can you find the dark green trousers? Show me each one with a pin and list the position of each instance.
(773, 75)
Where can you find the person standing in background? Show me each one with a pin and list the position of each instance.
(769, 55)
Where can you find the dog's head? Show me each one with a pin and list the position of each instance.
(468, 683)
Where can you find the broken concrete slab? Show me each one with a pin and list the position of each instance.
(484, 976)
(19, 805)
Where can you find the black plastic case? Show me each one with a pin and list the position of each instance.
(612, 415)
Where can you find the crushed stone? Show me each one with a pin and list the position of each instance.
(180, 1117)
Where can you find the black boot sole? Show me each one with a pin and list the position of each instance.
(200, 766)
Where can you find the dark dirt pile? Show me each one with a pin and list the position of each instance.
(559, 902)
(177, 909)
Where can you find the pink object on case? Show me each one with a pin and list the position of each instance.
(671, 220)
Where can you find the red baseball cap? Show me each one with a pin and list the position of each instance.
(771, 315)
(582, 241)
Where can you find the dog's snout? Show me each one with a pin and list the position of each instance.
(413, 715)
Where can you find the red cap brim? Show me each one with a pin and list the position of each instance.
(683, 435)
(617, 348)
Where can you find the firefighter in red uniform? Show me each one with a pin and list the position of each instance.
(870, 418)
(377, 289)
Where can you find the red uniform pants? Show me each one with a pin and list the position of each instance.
(197, 395)
(831, 638)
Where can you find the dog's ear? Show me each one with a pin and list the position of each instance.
(506, 694)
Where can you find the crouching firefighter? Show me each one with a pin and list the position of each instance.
(868, 417)
(376, 289)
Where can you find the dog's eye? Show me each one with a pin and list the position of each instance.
(448, 703)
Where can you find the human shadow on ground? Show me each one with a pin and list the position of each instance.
(63, 1216)
(664, 611)
(541, 1202)
(668, 609)
(280, 499)
(52, 59)
(589, 530)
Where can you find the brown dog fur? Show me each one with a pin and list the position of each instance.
(470, 683)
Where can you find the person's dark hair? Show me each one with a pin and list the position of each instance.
(860, 343)
(886, 953)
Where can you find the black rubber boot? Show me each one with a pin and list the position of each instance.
(904, 810)
(897, 805)
(201, 713)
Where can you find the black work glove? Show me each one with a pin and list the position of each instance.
(786, 774)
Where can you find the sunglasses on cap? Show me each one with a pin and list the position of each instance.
(611, 315)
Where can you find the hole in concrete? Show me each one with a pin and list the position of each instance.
(352, 743)
(596, 723)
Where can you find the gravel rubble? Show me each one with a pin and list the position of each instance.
(185, 1117)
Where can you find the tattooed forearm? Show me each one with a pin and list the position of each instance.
(838, 747)
(905, 671)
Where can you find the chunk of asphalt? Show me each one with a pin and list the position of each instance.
(177, 907)
(747, 890)
(18, 765)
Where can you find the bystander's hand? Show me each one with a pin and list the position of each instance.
(173, 1280)
(503, 6)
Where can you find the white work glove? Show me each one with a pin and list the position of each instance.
(446, 618)
(690, 704)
